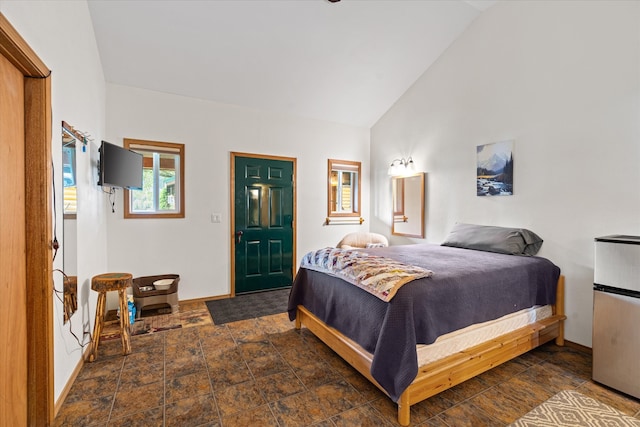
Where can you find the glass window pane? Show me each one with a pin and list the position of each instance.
(167, 182)
(333, 197)
(142, 200)
(253, 207)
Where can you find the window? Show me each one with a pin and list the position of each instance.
(162, 194)
(344, 188)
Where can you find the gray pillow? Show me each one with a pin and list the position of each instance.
(514, 241)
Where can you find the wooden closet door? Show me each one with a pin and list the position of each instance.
(13, 332)
(26, 267)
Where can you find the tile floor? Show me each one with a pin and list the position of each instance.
(161, 319)
(262, 372)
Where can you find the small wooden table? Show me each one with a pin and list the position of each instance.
(102, 284)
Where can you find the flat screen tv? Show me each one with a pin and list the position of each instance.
(119, 167)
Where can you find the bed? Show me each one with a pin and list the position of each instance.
(383, 339)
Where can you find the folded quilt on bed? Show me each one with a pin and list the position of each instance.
(377, 275)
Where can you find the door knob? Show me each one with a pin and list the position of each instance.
(239, 236)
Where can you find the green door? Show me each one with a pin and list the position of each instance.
(263, 222)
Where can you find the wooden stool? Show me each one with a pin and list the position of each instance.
(103, 284)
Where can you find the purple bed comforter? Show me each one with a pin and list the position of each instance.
(467, 287)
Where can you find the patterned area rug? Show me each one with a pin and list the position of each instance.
(158, 320)
(248, 306)
(570, 408)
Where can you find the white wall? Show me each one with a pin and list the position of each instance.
(61, 34)
(194, 247)
(560, 78)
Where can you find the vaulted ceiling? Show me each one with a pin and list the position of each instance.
(345, 62)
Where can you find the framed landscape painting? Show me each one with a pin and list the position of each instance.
(494, 169)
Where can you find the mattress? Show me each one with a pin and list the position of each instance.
(470, 336)
(468, 287)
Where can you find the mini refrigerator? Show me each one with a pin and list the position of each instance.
(616, 313)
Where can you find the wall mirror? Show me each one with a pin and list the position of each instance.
(71, 139)
(343, 190)
(408, 205)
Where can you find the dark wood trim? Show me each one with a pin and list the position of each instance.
(17, 51)
(39, 253)
(39, 249)
(232, 225)
(205, 299)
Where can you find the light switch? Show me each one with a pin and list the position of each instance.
(216, 218)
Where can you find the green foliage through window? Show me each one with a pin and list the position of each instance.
(161, 183)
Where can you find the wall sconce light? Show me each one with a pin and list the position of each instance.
(401, 167)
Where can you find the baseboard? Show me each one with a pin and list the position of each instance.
(71, 380)
(206, 299)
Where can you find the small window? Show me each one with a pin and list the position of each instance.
(344, 188)
(162, 194)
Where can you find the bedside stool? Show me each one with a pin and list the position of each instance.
(103, 284)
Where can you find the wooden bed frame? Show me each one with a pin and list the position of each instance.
(442, 374)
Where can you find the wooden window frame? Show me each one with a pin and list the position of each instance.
(158, 147)
(348, 165)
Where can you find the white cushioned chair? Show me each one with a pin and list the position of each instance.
(362, 240)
